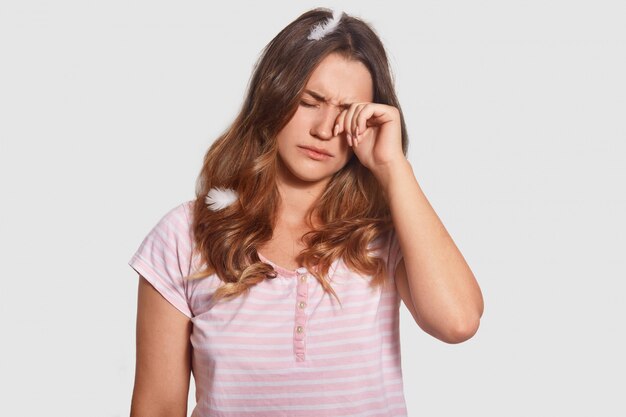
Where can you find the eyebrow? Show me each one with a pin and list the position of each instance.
(319, 97)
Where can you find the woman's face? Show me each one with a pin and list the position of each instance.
(333, 85)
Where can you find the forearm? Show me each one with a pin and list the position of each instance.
(443, 289)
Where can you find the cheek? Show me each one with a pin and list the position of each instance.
(288, 135)
(296, 124)
(283, 140)
(346, 152)
(342, 160)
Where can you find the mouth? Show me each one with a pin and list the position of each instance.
(315, 153)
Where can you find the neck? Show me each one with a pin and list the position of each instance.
(297, 198)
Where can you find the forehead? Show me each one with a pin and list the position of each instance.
(341, 81)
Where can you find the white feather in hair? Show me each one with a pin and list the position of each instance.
(322, 29)
(219, 198)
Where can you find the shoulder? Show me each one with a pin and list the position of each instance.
(387, 248)
(382, 244)
(184, 209)
(171, 235)
(177, 218)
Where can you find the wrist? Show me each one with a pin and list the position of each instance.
(387, 174)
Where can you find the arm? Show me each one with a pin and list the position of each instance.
(433, 278)
(163, 365)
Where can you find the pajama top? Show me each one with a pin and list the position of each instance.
(286, 348)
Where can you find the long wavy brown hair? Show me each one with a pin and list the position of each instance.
(352, 209)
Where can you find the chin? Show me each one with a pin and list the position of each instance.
(311, 178)
(305, 174)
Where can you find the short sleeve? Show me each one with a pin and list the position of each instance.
(163, 257)
(394, 254)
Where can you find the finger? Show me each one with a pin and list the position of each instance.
(339, 125)
(348, 123)
(358, 121)
(361, 119)
(355, 117)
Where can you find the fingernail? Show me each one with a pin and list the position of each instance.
(349, 138)
(335, 130)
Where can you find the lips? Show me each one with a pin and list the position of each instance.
(315, 154)
(318, 150)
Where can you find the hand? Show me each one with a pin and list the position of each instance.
(374, 132)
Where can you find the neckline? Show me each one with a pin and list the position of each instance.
(282, 270)
(291, 273)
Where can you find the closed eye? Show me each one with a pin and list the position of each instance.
(305, 104)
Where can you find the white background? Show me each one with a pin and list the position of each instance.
(516, 117)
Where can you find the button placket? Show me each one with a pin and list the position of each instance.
(300, 318)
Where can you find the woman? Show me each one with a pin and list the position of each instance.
(307, 229)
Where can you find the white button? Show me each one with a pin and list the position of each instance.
(303, 278)
(301, 270)
(299, 329)
(302, 304)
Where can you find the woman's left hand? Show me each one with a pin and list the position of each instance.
(374, 132)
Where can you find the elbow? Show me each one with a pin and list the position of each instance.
(467, 326)
(462, 332)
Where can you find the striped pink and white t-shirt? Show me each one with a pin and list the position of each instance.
(286, 348)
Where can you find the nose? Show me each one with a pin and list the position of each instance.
(324, 124)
